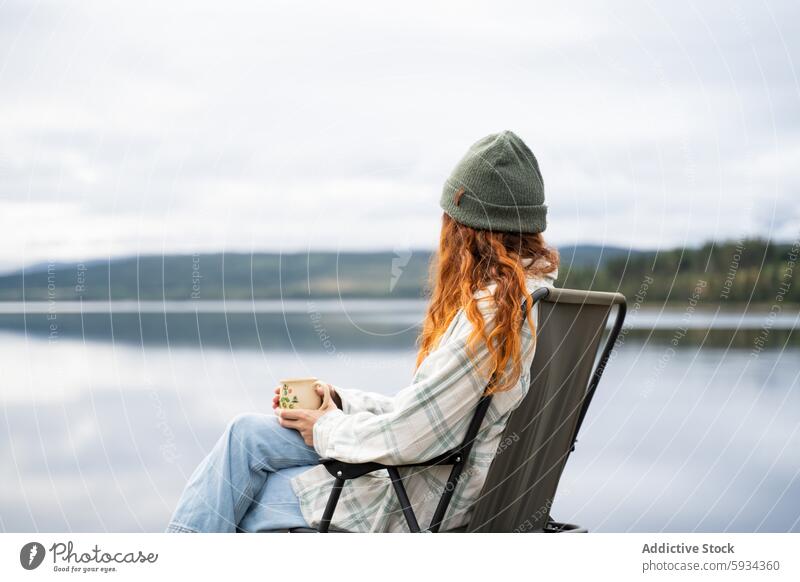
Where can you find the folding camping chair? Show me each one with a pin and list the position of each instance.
(522, 481)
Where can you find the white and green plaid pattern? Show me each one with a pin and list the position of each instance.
(427, 418)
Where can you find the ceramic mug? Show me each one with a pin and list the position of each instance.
(299, 393)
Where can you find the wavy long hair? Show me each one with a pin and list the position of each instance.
(467, 261)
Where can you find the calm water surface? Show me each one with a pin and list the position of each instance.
(105, 415)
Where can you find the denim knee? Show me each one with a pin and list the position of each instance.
(243, 427)
(261, 437)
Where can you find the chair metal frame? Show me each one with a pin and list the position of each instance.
(457, 457)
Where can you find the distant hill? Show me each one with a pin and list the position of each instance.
(749, 271)
(229, 275)
(591, 256)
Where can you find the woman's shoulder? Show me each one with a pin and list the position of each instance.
(532, 282)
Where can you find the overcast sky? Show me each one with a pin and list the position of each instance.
(128, 127)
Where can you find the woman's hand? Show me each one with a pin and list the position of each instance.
(303, 420)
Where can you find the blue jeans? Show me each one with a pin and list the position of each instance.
(244, 483)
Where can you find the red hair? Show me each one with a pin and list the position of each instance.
(467, 261)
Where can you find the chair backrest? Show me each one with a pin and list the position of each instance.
(540, 433)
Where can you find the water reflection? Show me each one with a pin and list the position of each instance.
(104, 420)
(354, 324)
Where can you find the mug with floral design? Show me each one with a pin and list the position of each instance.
(299, 393)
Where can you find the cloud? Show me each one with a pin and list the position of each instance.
(138, 127)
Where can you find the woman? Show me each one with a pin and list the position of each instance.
(478, 336)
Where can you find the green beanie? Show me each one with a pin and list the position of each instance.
(497, 186)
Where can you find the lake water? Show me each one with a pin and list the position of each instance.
(105, 412)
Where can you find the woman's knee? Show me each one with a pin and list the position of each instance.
(261, 437)
(243, 427)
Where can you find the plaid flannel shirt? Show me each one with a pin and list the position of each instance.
(425, 419)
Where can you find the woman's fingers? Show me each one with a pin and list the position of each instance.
(327, 397)
(289, 414)
(321, 388)
(289, 423)
(326, 391)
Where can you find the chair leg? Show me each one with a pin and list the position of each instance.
(447, 495)
(330, 507)
(402, 496)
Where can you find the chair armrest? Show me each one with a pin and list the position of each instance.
(346, 471)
